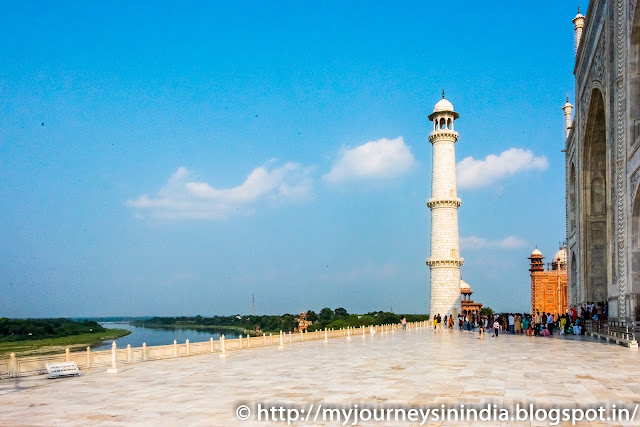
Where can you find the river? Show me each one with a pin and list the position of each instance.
(159, 336)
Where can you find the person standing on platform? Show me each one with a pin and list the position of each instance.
(496, 326)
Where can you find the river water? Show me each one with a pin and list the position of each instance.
(159, 336)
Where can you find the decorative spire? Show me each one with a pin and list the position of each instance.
(578, 23)
(567, 98)
(442, 93)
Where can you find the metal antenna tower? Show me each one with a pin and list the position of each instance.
(253, 304)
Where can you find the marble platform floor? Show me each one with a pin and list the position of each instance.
(416, 367)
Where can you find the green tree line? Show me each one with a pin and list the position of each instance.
(32, 329)
(338, 318)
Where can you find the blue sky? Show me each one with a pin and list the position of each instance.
(168, 159)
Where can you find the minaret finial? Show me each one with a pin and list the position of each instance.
(578, 9)
(442, 93)
(567, 98)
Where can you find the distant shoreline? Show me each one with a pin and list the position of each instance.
(217, 328)
(59, 344)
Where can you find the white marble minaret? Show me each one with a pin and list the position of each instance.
(445, 261)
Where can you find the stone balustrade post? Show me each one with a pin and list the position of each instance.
(301, 336)
(326, 339)
(270, 338)
(264, 338)
(114, 361)
(248, 340)
(222, 347)
(290, 337)
(14, 369)
(67, 355)
(188, 347)
(211, 345)
(348, 333)
(240, 338)
(281, 346)
(144, 351)
(129, 354)
(88, 364)
(175, 348)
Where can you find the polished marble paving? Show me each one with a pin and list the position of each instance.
(417, 367)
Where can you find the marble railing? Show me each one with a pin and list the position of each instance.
(36, 365)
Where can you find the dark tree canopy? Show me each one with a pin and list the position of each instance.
(341, 312)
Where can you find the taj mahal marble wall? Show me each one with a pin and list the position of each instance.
(603, 161)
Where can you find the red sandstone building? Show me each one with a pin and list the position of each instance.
(549, 283)
(303, 323)
(468, 307)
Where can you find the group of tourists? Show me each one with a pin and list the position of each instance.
(536, 324)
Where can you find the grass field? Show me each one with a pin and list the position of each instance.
(58, 345)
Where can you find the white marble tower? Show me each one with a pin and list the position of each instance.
(445, 261)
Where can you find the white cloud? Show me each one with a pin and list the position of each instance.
(472, 242)
(184, 198)
(510, 242)
(473, 173)
(385, 158)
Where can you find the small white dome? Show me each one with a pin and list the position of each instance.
(561, 256)
(443, 105)
(536, 252)
(464, 286)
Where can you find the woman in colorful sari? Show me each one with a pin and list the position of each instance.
(525, 323)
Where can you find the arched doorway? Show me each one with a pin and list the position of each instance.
(596, 206)
(635, 246)
(573, 281)
(634, 115)
(572, 198)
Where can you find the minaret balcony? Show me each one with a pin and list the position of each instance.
(453, 202)
(445, 262)
(443, 135)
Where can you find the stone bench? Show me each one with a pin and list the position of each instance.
(62, 369)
